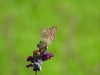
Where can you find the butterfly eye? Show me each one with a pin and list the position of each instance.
(40, 44)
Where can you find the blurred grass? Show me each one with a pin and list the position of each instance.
(77, 44)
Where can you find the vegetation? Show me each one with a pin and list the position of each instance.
(76, 47)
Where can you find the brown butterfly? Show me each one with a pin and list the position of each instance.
(48, 35)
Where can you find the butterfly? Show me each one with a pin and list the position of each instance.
(48, 35)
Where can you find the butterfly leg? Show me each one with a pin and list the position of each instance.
(35, 52)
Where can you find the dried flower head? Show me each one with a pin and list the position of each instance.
(48, 35)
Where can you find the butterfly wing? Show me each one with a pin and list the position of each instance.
(51, 33)
(48, 35)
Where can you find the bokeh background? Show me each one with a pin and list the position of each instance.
(76, 48)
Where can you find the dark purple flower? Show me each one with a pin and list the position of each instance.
(30, 65)
(30, 58)
(38, 57)
(47, 56)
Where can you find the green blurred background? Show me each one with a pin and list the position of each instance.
(76, 48)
